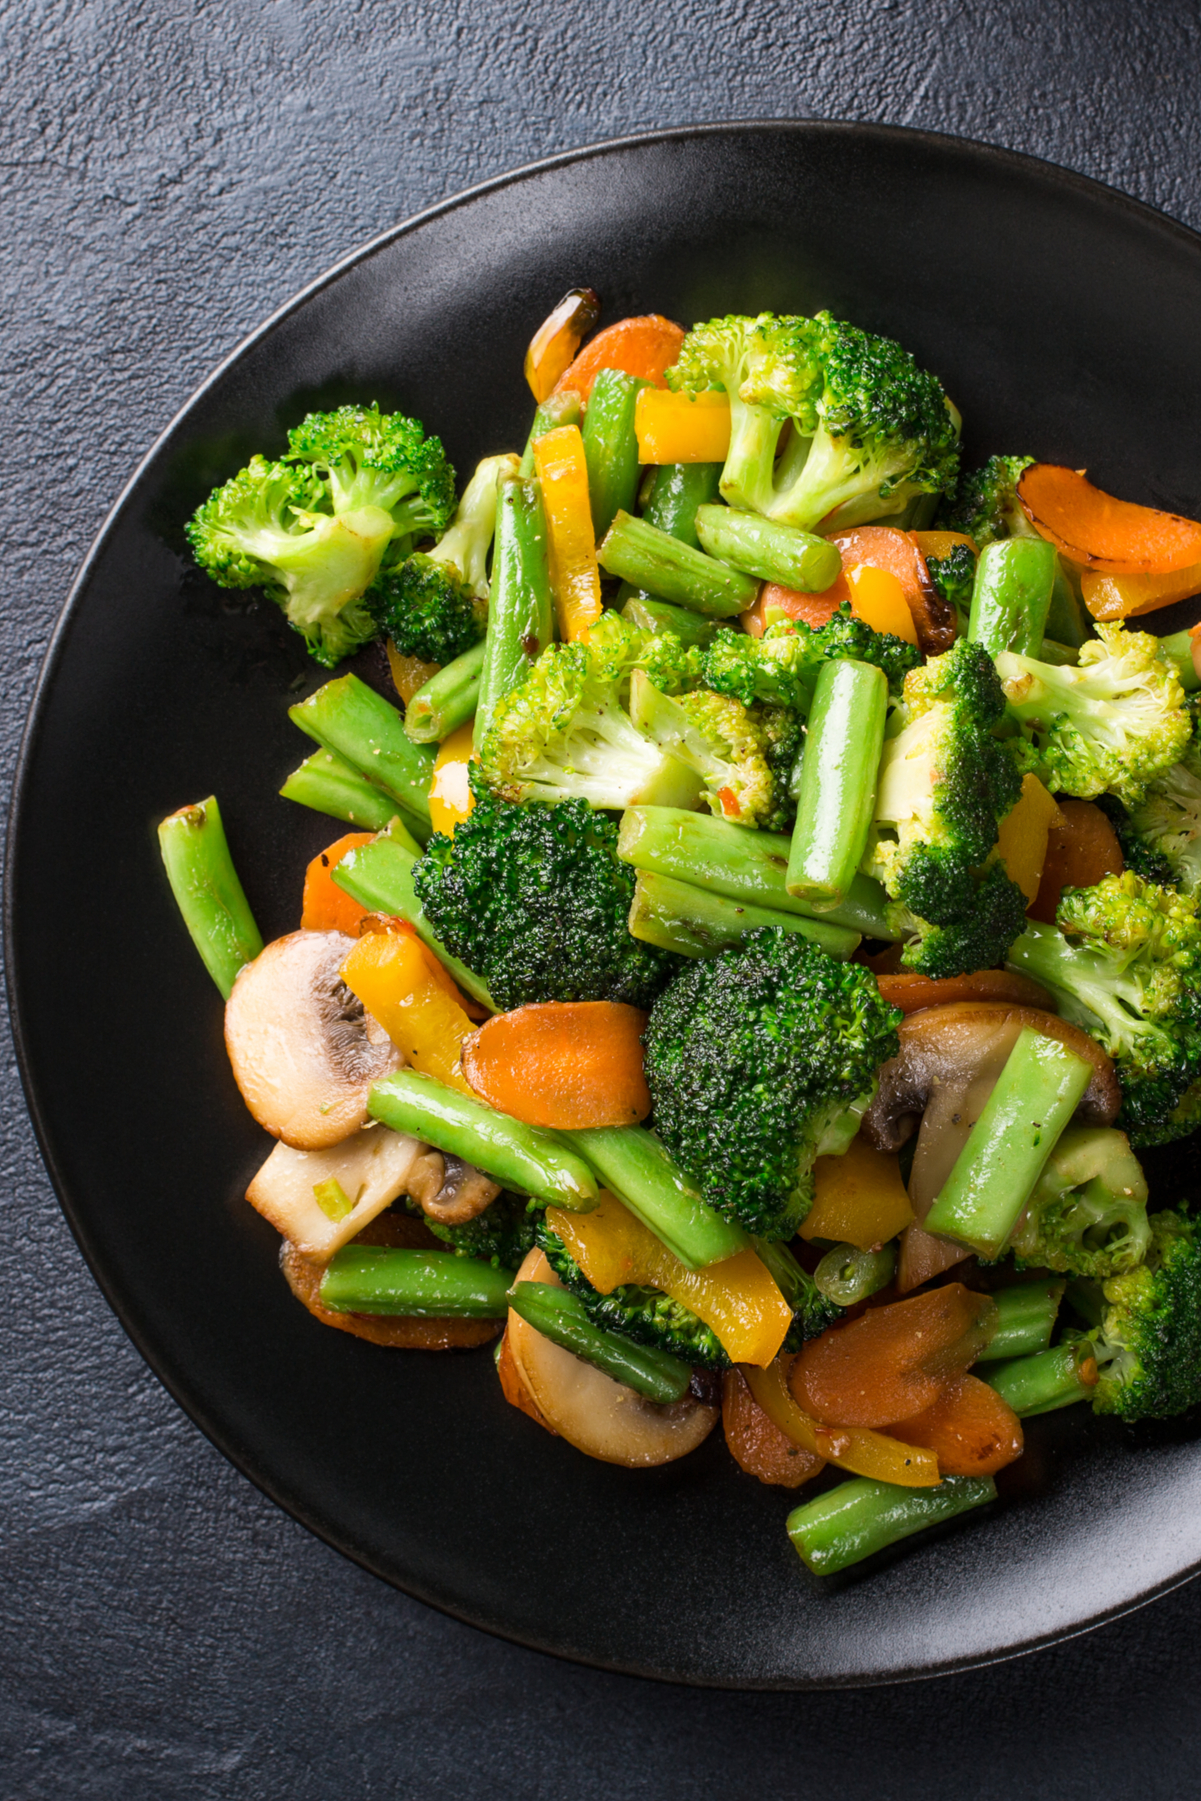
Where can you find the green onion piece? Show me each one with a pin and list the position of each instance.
(207, 891)
(414, 1284)
(858, 1518)
(559, 1315)
(332, 1199)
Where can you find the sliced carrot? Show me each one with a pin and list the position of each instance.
(326, 907)
(892, 1362)
(786, 603)
(558, 339)
(1098, 531)
(1080, 851)
(562, 1064)
(682, 428)
(923, 1256)
(970, 1429)
(408, 673)
(644, 346)
(1122, 596)
(859, 1198)
(1023, 836)
(912, 992)
(852, 1448)
(757, 1444)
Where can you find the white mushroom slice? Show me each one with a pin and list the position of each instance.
(303, 1049)
(371, 1169)
(592, 1412)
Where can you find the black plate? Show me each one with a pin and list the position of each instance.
(1063, 319)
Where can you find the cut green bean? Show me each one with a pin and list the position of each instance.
(671, 570)
(846, 1274)
(380, 877)
(677, 490)
(207, 891)
(660, 616)
(634, 1164)
(1014, 578)
(743, 865)
(448, 700)
(837, 791)
(858, 1518)
(611, 446)
(1060, 656)
(695, 922)
(554, 411)
(373, 1278)
(1047, 1380)
(327, 783)
(520, 611)
(1026, 1316)
(994, 1175)
(559, 1315)
(360, 726)
(514, 1154)
(1177, 651)
(775, 553)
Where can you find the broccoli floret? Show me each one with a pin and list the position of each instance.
(434, 605)
(1125, 965)
(312, 530)
(985, 504)
(781, 667)
(1161, 835)
(1088, 1213)
(782, 737)
(535, 901)
(945, 784)
(1148, 1345)
(870, 431)
(501, 1235)
(812, 1312)
(954, 578)
(759, 1060)
(1111, 723)
(735, 751)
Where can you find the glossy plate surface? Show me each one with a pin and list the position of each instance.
(1062, 318)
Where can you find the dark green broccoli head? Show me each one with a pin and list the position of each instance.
(373, 459)
(985, 503)
(427, 610)
(534, 900)
(501, 1235)
(781, 736)
(781, 668)
(980, 913)
(758, 1061)
(1088, 1213)
(1143, 855)
(1149, 1341)
(954, 578)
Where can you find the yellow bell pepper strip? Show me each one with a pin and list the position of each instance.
(574, 576)
(737, 1299)
(855, 1448)
(1023, 834)
(451, 798)
(389, 974)
(859, 1198)
(878, 598)
(408, 673)
(1118, 596)
(682, 428)
(555, 344)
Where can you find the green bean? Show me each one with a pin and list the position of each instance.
(328, 784)
(775, 553)
(634, 1164)
(1046, 1381)
(1026, 1318)
(858, 1518)
(1014, 578)
(611, 446)
(660, 616)
(677, 491)
(207, 891)
(520, 610)
(671, 570)
(1177, 652)
(359, 725)
(448, 700)
(559, 1315)
(837, 796)
(414, 1284)
(695, 922)
(846, 1274)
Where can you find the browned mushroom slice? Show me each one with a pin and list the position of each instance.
(304, 1051)
(449, 1190)
(370, 1169)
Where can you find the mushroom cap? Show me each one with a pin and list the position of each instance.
(303, 1049)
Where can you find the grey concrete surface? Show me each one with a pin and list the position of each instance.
(170, 174)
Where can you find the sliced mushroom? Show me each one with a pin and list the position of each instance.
(449, 1190)
(598, 1416)
(371, 1168)
(303, 1049)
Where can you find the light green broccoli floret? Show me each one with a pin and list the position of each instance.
(1088, 1213)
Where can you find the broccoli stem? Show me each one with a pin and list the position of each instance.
(207, 891)
(678, 490)
(837, 794)
(1046, 1381)
(743, 865)
(1026, 1316)
(328, 784)
(695, 922)
(1014, 579)
(1177, 652)
(660, 616)
(448, 700)
(846, 1274)
(380, 876)
(858, 1518)
(559, 1315)
(634, 1164)
(611, 446)
(359, 725)
(1035, 1096)
(775, 553)
(416, 1284)
(671, 570)
(554, 411)
(521, 612)
(518, 1156)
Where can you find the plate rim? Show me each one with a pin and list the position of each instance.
(159, 1361)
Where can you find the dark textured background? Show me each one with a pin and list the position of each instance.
(171, 174)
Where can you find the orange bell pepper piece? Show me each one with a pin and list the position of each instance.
(390, 976)
(326, 907)
(557, 340)
(562, 1064)
(1023, 836)
(574, 576)
(644, 346)
(878, 598)
(737, 1299)
(408, 673)
(1082, 849)
(1094, 529)
(451, 798)
(682, 428)
(854, 1448)
(859, 1198)
(1121, 596)
(941, 544)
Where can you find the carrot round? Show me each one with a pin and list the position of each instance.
(326, 907)
(912, 992)
(1093, 528)
(757, 1444)
(562, 1064)
(811, 609)
(1079, 853)
(644, 346)
(970, 1429)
